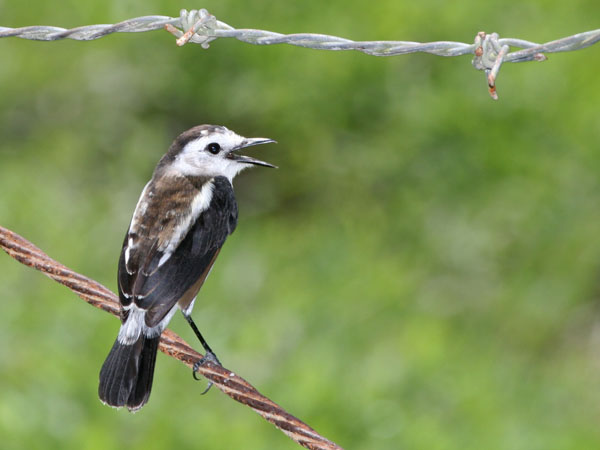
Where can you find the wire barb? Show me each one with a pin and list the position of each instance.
(234, 386)
(489, 56)
(200, 27)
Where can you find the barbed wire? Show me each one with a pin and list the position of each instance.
(200, 27)
(170, 343)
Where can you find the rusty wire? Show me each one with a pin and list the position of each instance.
(200, 27)
(170, 343)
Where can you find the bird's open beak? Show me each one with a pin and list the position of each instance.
(249, 142)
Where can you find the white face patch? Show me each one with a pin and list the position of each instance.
(195, 159)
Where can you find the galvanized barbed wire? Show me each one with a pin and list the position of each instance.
(170, 343)
(200, 27)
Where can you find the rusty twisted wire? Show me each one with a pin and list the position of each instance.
(200, 27)
(170, 343)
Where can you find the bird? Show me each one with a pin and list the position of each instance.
(182, 219)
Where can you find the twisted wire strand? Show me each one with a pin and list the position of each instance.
(213, 29)
(89, 32)
(170, 343)
(200, 27)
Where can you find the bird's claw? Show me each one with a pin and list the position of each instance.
(209, 357)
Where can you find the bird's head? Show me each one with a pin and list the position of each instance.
(211, 150)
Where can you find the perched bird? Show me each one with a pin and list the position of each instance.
(183, 216)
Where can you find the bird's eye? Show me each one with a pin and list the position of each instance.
(214, 148)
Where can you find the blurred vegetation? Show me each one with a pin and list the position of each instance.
(420, 273)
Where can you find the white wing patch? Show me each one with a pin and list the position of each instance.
(140, 210)
(164, 258)
(130, 245)
(140, 207)
(182, 224)
(200, 203)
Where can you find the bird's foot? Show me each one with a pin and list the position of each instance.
(209, 357)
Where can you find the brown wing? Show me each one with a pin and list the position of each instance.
(157, 288)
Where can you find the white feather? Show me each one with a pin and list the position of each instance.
(127, 251)
(135, 325)
(140, 209)
(187, 311)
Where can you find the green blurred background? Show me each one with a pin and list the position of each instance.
(420, 273)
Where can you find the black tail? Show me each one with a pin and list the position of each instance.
(126, 376)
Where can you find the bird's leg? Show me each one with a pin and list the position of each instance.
(209, 355)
